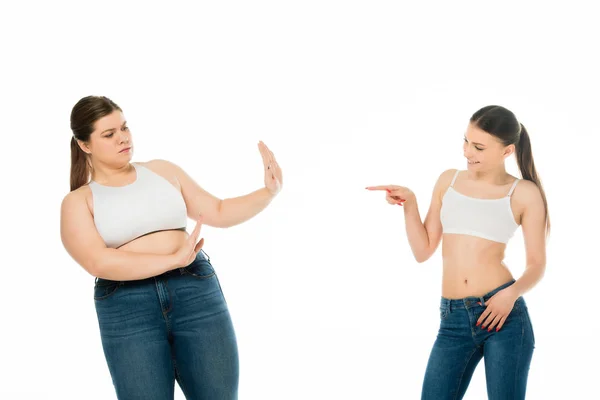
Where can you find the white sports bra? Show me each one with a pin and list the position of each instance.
(490, 219)
(149, 204)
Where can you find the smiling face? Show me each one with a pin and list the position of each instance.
(484, 151)
(110, 142)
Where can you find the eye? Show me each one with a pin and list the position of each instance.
(109, 135)
(477, 148)
(125, 128)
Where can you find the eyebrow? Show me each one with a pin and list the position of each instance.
(480, 144)
(113, 129)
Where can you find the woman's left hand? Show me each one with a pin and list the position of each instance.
(273, 175)
(498, 307)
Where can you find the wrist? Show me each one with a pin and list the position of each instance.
(173, 261)
(513, 291)
(269, 193)
(410, 204)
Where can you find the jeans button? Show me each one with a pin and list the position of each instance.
(468, 303)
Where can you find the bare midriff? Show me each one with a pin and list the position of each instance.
(472, 266)
(162, 242)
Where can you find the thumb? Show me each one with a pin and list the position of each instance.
(199, 245)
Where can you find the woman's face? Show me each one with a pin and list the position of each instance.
(484, 151)
(110, 142)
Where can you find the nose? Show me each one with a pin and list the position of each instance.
(467, 152)
(124, 138)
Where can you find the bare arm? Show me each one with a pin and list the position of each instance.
(216, 212)
(533, 225)
(86, 247)
(424, 237)
(229, 212)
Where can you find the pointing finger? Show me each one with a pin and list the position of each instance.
(383, 187)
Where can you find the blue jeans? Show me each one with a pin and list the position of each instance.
(175, 326)
(460, 345)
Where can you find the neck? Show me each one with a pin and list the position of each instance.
(495, 176)
(103, 173)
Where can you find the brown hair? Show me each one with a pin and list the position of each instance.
(502, 123)
(84, 115)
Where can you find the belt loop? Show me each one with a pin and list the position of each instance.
(482, 301)
(449, 306)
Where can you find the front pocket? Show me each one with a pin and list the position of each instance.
(105, 290)
(201, 269)
(443, 312)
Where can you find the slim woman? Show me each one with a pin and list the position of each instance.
(474, 213)
(161, 311)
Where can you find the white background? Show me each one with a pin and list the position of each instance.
(326, 298)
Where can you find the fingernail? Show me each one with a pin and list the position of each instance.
(497, 329)
(477, 324)
(388, 190)
(489, 330)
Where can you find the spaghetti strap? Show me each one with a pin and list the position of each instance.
(512, 188)
(454, 179)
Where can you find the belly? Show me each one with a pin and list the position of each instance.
(163, 242)
(472, 266)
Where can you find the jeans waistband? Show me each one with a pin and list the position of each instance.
(473, 300)
(201, 255)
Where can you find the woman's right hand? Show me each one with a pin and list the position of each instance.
(187, 252)
(395, 194)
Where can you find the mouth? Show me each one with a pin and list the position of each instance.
(472, 162)
(125, 150)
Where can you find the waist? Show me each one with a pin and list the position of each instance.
(472, 301)
(200, 256)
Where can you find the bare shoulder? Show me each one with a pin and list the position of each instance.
(76, 206)
(443, 182)
(160, 164)
(526, 196)
(527, 193)
(76, 198)
(445, 179)
(165, 168)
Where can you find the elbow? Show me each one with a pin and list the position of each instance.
(421, 258)
(95, 267)
(221, 223)
(220, 220)
(423, 255)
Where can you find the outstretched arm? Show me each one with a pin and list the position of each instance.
(425, 236)
(225, 213)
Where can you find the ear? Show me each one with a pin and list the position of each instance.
(508, 150)
(84, 147)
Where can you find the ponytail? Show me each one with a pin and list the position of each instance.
(524, 157)
(80, 169)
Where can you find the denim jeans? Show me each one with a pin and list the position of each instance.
(172, 327)
(460, 345)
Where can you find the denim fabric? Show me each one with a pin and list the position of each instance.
(460, 345)
(172, 327)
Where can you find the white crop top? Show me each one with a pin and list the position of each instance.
(490, 219)
(149, 204)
